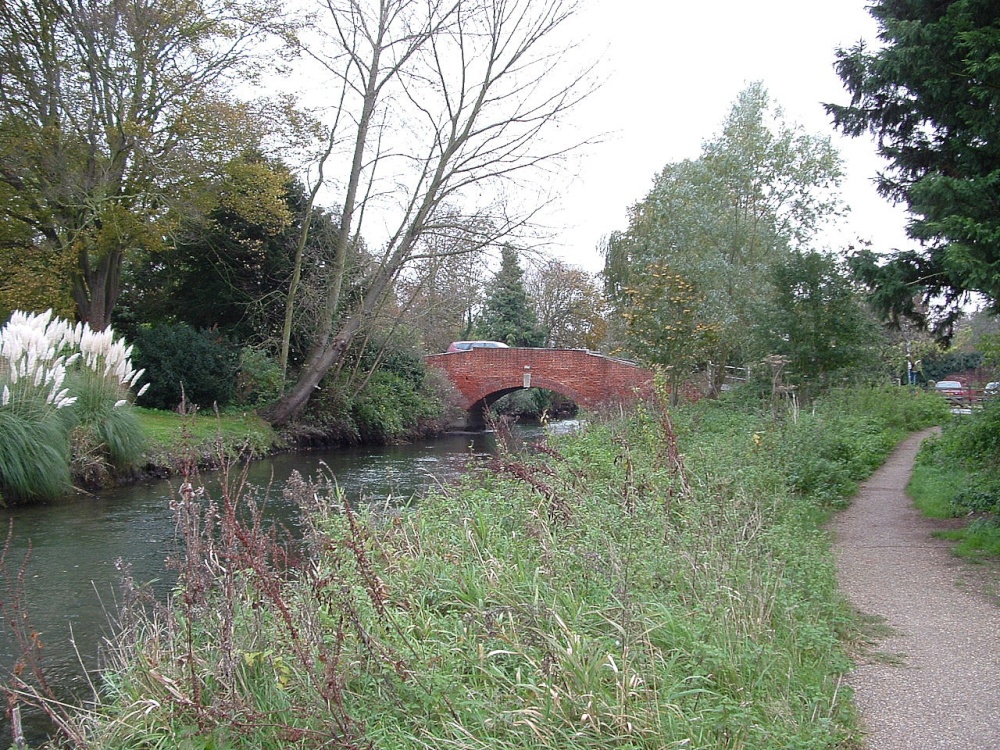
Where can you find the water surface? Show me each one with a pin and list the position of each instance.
(79, 544)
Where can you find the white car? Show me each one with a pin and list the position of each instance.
(949, 387)
(465, 346)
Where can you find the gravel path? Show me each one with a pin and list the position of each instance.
(934, 682)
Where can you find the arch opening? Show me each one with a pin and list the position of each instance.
(561, 405)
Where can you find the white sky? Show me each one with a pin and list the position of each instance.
(673, 71)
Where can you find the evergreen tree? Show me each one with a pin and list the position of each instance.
(506, 315)
(930, 94)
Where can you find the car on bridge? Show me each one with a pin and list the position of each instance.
(465, 346)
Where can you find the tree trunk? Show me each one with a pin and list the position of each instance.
(95, 288)
(312, 374)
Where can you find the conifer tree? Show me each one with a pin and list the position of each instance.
(930, 95)
(507, 316)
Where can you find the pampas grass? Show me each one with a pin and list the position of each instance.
(62, 385)
(106, 422)
(34, 452)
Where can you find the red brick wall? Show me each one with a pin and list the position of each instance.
(589, 379)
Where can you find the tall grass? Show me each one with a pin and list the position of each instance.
(658, 581)
(64, 402)
(34, 451)
(105, 434)
(34, 442)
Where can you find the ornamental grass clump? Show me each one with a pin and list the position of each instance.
(106, 433)
(63, 388)
(34, 434)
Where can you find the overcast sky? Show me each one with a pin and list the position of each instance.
(673, 70)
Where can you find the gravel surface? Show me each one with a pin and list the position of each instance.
(934, 680)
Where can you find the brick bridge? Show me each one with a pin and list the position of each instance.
(482, 376)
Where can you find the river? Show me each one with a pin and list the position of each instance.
(72, 576)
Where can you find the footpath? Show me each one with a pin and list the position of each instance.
(933, 680)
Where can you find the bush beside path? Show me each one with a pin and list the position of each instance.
(933, 680)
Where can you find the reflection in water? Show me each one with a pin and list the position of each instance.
(77, 545)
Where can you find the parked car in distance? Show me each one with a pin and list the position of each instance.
(949, 388)
(956, 393)
(992, 388)
(465, 346)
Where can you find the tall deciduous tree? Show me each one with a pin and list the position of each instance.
(568, 304)
(228, 268)
(930, 94)
(443, 104)
(818, 320)
(110, 112)
(664, 320)
(442, 293)
(31, 278)
(760, 188)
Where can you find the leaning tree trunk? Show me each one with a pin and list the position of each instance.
(313, 371)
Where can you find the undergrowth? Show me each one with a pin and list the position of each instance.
(658, 580)
(957, 475)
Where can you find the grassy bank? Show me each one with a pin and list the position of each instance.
(659, 580)
(174, 441)
(957, 475)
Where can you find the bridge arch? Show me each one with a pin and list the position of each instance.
(481, 376)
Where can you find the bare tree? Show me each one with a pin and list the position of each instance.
(443, 104)
(568, 303)
(442, 292)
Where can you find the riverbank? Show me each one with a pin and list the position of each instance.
(175, 442)
(658, 580)
(179, 443)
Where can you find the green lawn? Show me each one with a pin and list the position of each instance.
(206, 437)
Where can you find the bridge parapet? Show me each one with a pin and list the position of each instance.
(481, 376)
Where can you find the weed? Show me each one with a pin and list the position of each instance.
(657, 580)
(957, 475)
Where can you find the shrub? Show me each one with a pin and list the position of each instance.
(393, 405)
(848, 433)
(259, 381)
(970, 444)
(981, 495)
(389, 408)
(185, 365)
(328, 417)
